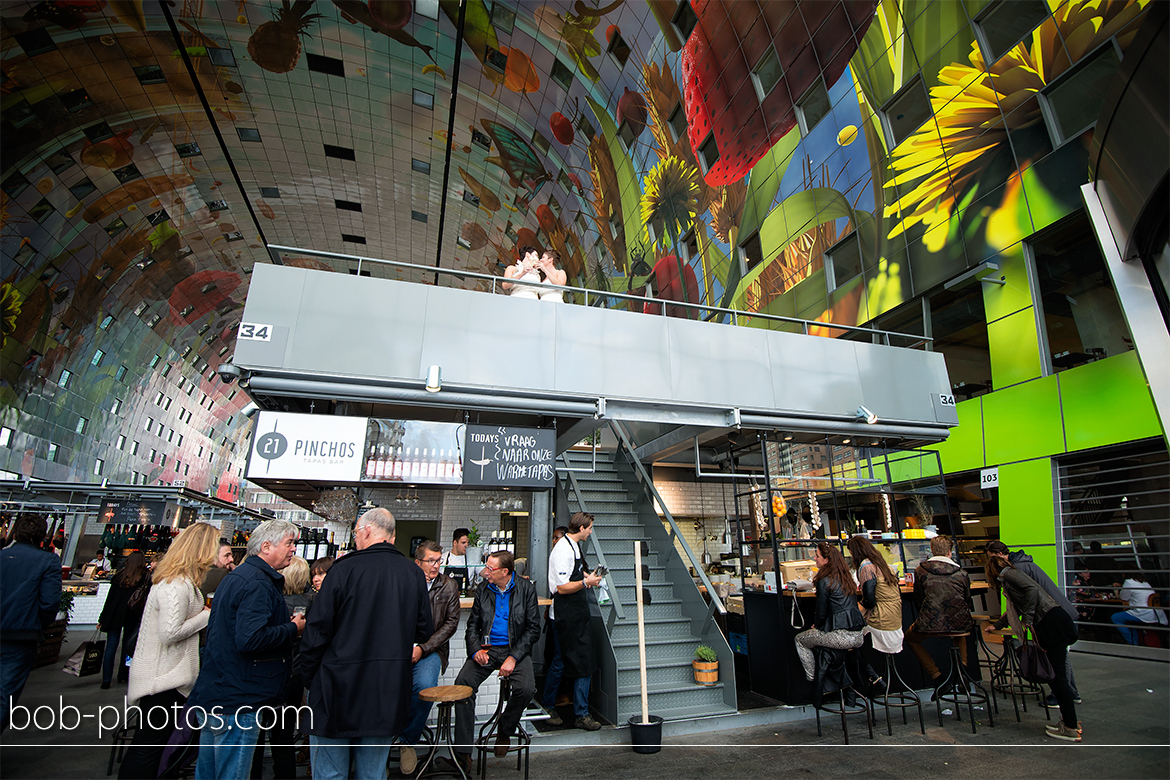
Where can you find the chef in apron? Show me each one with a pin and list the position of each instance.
(454, 563)
(571, 579)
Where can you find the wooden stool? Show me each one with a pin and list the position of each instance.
(832, 660)
(902, 699)
(487, 735)
(445, 697)
(958, 678)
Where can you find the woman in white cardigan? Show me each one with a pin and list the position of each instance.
(166, 658)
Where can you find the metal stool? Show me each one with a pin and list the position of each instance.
(1006, 678)
(122, 737)
(958, 678)
(825, 657)
(445, 697)
(903, 699)
(488, 732)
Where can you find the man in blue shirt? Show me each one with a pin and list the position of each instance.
(501, 631)
(30, 595)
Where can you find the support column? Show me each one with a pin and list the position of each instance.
(539, 535)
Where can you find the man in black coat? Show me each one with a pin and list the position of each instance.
(501, 631)
(356, 653)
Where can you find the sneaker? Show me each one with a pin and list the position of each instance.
(1061, 731)
(407, 760)
(554, 718)
(1051, 701)
(1077, 699)
(587, 723)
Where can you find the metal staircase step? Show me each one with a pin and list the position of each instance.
(663, 673)
(663, 650)
(671, 697)
(674, 713)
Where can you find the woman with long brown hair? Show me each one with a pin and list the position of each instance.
(166, 659)
(122, 614)
(881, 598)
(837, 623)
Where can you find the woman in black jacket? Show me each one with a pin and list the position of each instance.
(837, 622)
(122, 612)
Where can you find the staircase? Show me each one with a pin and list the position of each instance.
(671, 635)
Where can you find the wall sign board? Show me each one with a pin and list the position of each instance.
(307, 446)
(506, 456)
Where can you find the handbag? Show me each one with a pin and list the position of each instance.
(87, 659)
(1034, 663)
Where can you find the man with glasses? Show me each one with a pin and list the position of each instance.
(501, 631)
(430, 657)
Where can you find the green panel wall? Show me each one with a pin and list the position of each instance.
(1015, 348)
(1023, 422)
(1000, 300)
(963, 449)
(1027, 510)
(1107, 402)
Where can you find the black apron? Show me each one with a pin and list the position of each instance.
(571, 615)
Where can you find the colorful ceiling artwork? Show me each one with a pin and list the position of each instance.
(822, 159)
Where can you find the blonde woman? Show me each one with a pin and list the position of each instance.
(166, 658)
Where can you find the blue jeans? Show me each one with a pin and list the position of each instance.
(226, 752)
(1123, 619)
(113, 661)
(16, 660)
(330, 757)
(552, 679)
(581, 696)
(426, 675)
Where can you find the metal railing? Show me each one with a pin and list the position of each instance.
(725, 315)
(618, 611)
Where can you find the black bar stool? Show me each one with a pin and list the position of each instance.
(833, 662)
(903, 699)
(958, 685)
(485, 743)
(1006, 678)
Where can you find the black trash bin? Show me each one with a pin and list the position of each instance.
(646, 737)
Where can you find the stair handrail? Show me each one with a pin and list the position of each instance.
(648, 483)
(613, 592)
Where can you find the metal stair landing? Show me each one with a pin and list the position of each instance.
(670, 637)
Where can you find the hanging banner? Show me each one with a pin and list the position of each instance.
(307, 446)
(507, 456)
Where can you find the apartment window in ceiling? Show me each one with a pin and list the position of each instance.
(82, 424)
(708, 153)
(270, 192)
(684, 20)
(166, 370)
(347, 205)
(188, 150)
(186, 351)
(339, 152)
(115, 406)
(678, 122)
(97, 358)
(561, 74)
(41, 211)
(812, 107)
(115, 227)
(330, 66)
(495, 59)
(36, 41)
(121, 445)
(248, 134)
(76, 100)
(6, 436)
(428, 9)
(766, 75)
(352, 239)
(618, 48)
(905, 112)
(1083, 320)
(149, 424)
(120, 374)
(1071, 103)
(958, 325)
(150, 74)
(418, 216)
(52, 454)
(615, 225)
(471, 197)
(585, 128)
(223, 58)
(418, 166)
(541, 142)
(627, 135)
(64, 380)
(423, 99)
(134, 448)
(162, 461)
(1000, 26)
(481, 140)
(503, 18)
(843, 261)
(751, 252)
(98, 465)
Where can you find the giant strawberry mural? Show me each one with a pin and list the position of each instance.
(812, 37)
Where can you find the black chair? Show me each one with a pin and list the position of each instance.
(1006, 678)
(121, 738)
(486, 742)
(902, 699)
(958, 687)
(832, 675)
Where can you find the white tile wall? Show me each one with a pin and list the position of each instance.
(86, 609)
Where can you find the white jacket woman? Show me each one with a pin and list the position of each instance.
(167, 654)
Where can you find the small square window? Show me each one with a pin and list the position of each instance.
(418, 216)
(418, 166)
(127, 173)
(82, 424)
(503, 17)
(812, 107)
(708, 153)
(186, 351)
(1002, 25)
(52, 456)
(678, 122)
(98, 465)
(463, 242)
(339, 152)
(188, 150)
(905, 112)
(330, 66)
(153, 455)
(150, 74)
(618, 49)
(471, 197)
(76, 100)
(41, 211)
(97, 358)
(104, 271)
(684, 20)
(481, 140)
(423, 99)
(269, 192)
(121, 445)
(562, 75)
(120, 374)
(58, 162)
(843, 261)
(149, 424)
(223, 58)
(115, 227)
(766, 75)
(167, 405)
(585, 129)
(751, 252)
(627, 136)
(36, 41)
(495, 59)
(347, 205)
(1071, 103)
(154, 360)
(166, 370)
(217, 205)
(352, 239)
(134, 448)
(158, 217)
(6, 436)
(81, 189)
(14, 184)
(64, 380)
(541, 142)
(248, 134)
(116, 406)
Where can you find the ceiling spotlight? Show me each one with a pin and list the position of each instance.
(434, 379)
(846, 441)
(788, 437)
(865, 415)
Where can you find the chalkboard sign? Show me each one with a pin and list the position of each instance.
(504, 456)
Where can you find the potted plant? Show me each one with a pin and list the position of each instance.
(474, 554)
(706, 666)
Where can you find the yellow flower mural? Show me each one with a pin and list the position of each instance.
(670, 200)
(941, 159)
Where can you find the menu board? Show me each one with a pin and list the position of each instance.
(507, 456)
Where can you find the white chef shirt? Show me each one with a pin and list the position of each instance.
(560, 567)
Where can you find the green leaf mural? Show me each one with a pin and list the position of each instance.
(631, 190)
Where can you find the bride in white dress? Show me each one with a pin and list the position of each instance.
(552, 275)
(525, 270)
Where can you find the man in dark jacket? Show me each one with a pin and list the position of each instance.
(30, 596)
(248, 655)
(1024, 563)
(501, 631)
(356, 652)
(429, 657)
(942, 592)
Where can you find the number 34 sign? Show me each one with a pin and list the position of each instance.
(252, 331)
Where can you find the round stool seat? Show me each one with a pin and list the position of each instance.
(445, 693)
(951, 634)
